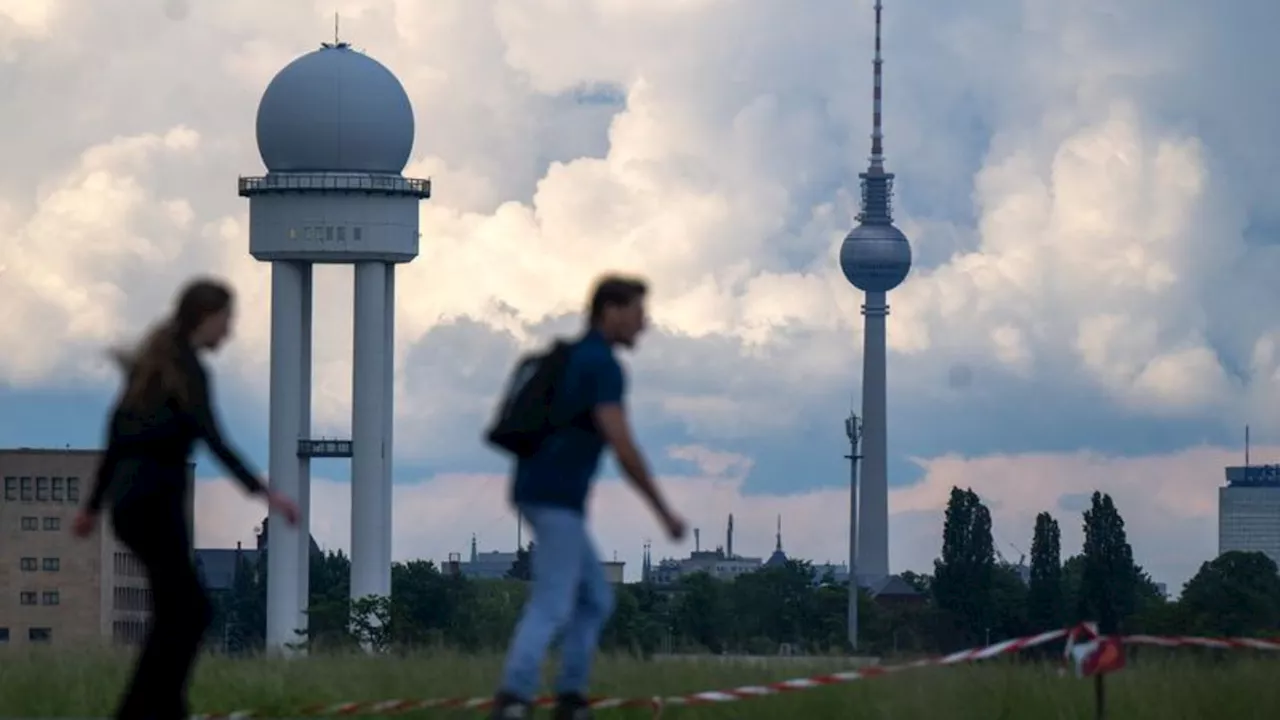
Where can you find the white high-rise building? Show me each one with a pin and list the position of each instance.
(1249, 511)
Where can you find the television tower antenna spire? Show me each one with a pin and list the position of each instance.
(877, 125)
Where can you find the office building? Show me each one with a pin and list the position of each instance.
(1249, 511)
(54, 587)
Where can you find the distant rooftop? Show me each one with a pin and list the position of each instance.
(49, 451)
(1254, 476)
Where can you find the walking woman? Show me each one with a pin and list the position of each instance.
(164, 408)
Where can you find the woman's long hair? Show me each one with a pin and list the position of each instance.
(154, 368)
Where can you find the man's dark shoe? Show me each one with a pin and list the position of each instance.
(572, 707)
(509, 707)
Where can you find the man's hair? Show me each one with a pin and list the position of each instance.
(615, 291)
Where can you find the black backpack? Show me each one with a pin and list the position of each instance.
(528, 413)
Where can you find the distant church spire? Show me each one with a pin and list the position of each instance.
(778, 558)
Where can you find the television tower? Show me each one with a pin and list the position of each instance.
(335, 129)
(875, 258)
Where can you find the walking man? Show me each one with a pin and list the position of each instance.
(571, 598)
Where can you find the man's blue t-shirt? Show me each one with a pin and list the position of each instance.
(560, 472)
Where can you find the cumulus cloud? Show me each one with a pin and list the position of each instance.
(710, 167)
(1168, 503)
(1080, 182)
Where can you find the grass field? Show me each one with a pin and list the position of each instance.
(49, 684)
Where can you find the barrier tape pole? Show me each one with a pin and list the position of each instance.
(659, 704)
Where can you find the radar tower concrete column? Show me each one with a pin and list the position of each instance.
(389, 404)
(304, 460)
(370, 508)
(284, 569)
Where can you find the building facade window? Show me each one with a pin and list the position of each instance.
(30, 523)
(42, 489)
(11, 489)
(27, 494)
(53, 523)
(27, 564)
(132, 599)
(128, 565)
(129, 632)
(356, 233)
(26, 597)
(73, 489)
(58, 489)
(37, 634)
(51, 564)
(51, 597)
(4, 635)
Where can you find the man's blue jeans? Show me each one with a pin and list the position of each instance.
(571, 599)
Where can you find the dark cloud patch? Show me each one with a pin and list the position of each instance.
(1075, 502)
(459, 368)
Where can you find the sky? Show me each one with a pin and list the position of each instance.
(1087, 186)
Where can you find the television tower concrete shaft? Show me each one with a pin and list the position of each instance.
(335, 129)
(875, 257)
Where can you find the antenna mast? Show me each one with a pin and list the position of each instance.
(853, 430)
(877, 127)
(1246, 450)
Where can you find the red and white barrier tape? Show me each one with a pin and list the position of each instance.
(1204, 642)
(657, 704)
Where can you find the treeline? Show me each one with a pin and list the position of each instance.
(971, 598)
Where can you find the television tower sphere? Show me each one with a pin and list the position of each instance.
(875, 257)
(335, 110)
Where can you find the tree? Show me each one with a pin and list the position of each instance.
(1044, 592)
(654, 628)
(329, 602)
(247, 606)
(1236, 594)
(963, 576)
(1008, 605)
(918, 581)
(423, 603)
(372, 622)
(1072, 580)
(1109, 579)
(702, 614)
(521, 569)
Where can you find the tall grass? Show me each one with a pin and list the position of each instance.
(53, 683)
